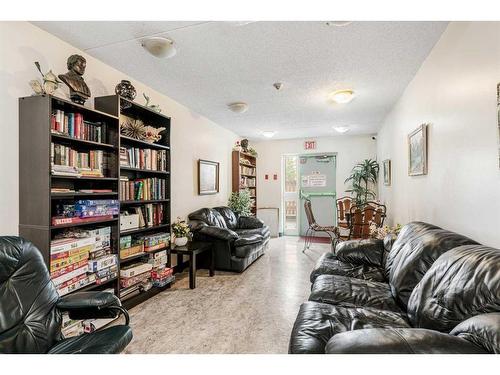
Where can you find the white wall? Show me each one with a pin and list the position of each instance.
(455, 91)
(192, 137)
(350, 150)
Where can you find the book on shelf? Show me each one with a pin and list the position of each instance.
(144, 158)
(62, 190)
(151, 214)
(66, 160)
(247, 170)
(73, 125)
(95, 191)
(143, 188)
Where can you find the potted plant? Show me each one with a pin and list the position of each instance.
(181, 231)
(363, 179)
(241, 202)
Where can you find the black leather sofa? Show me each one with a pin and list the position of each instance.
(429, 291)
(238, 240)
(31, 310)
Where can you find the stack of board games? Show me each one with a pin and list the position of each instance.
(85, 210)
(82, 257)
(161, 275)
(156, 241)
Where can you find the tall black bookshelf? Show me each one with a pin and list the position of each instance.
(37, 202)
(124, 110)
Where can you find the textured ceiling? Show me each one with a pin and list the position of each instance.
(222, 62)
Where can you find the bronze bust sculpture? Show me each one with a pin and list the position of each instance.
(244, 145)
(78, 90)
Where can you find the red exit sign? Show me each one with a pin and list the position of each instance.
(310, 145)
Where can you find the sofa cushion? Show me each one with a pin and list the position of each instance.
(229, 216)
(246, 245)
(264, 231)
(482, 330)
(248, 240)
(209, 216)
(317, 323)
(347, 291)
(329, 264)
(462, 283)
(413, 253)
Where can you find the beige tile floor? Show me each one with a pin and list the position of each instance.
(252, 312)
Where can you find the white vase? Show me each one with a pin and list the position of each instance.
(181, 241)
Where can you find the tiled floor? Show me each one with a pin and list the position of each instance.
(252, 312)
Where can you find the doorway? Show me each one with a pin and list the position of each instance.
(311, 176)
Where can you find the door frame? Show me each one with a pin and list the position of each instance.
(282, 187)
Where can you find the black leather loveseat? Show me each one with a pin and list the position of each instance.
(238, 240)
(431, 291)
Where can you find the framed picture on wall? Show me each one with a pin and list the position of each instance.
(386, 169)
(208, 177)
(417, 151)
(498, 117)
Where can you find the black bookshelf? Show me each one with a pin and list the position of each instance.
(122, 108)
(37, 202)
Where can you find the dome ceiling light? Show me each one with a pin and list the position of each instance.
(341, 129)
(268, 134)
(160, 47)
(238, 107)
(342, 96)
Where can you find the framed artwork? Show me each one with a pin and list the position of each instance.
(498, 117)
(386, 169)
(208, 177)
(417, 151)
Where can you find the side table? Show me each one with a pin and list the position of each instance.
(192, 249)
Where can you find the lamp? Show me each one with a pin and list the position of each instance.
(238, 107)
(342, 96)
(160, 47)
(268, 134)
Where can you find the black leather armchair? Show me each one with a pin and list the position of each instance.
(238, 240)
(31, 310)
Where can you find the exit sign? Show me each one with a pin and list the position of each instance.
(310, 145)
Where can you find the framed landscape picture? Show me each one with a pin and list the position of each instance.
(417, 151)
(208, 177)
(386, 169)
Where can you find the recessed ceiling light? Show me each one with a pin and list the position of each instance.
(268, 134)
(341, 129)
(160, 47)
(342, 96)
(238, 107)
(338, 23)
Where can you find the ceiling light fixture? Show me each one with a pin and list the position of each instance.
(160, 47)
(268, 134)
(342, 96)
(238, 107)
(338, 23)
(341, 129)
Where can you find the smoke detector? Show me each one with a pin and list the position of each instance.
(278, 85)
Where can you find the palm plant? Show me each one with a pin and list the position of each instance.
(363, 177)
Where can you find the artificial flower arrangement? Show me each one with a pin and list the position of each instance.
(180, 228)
(380, 233)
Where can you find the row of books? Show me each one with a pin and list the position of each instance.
(152, 271)
(246, 182)
(82, 257)
(86, 209)
(144, 158)
(143, 188)
(149, 215)
(68, 161)
(247, 170)
(246, 162)
(73, 125)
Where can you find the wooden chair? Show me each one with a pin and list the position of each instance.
(332, 231)
(343, 210)
(362, 217)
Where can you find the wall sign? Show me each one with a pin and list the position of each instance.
(317, 180)
(310, 145)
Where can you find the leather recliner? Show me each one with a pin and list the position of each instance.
(31, 310)
(440, 293)
(238, 240)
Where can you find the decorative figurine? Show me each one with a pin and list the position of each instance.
(244, 145)
(154, 107)
(49, 85)
(79, 92)
(126, 89)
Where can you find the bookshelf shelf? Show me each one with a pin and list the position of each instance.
(149, 171)
(94, 285)
(144, 229)
(139, 143)
(84, 178)
(93, 222)
(72, 140)
(78, 194)
(137, 202)
(132, 257)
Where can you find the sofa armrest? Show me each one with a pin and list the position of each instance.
(369, 251)
(219, 233)
(249, 222)
(91, 305)
(399, 341)
(482, 330)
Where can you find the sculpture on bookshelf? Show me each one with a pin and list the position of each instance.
(243, 146)
(152, 134)
(79, 92)
(133, 128)
(48, 85)
(154, 107)
(126, 90)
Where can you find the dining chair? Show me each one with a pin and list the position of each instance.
(362, 217)
(331, 230)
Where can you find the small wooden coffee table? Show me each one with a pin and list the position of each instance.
(192, 249)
